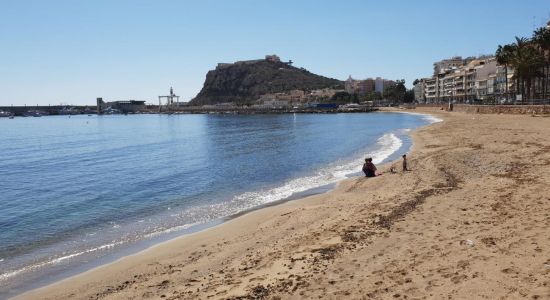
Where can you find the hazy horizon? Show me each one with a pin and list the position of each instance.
(73, 52)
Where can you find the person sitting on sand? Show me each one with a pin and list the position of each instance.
(369, 168)
(366, 167)
(405, 162)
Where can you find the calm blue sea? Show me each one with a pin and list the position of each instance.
(76, 190)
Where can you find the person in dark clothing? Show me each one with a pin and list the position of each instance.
(366, 167)
(405, 162)
(369, 168)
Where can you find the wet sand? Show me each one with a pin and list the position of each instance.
(470, 220)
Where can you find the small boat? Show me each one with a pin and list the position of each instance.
(5, 114)
(69, 111)
(111, 111)
(35, 113)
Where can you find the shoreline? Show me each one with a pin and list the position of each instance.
(144, 245)
(470, 219)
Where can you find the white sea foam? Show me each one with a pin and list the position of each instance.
(432, 119)
(53, 261)
(389, 143)
(426, 117)
(171, 229)
(385, 146)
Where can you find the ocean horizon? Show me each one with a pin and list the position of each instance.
(81, 191)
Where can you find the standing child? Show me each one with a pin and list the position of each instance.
(405, 162)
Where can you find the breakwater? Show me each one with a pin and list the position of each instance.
(49, 109)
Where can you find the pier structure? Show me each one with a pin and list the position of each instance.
(99, 103)
(120, 106)
(169, 99)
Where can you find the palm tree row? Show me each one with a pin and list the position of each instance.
(530, 60)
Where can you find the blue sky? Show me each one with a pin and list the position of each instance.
(71, 52)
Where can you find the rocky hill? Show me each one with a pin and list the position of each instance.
(244, 82)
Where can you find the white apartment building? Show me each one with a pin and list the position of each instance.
(431, 89)
(466, 80)
(419, 91)
(379, 85)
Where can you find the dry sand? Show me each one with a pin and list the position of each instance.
(470, 220)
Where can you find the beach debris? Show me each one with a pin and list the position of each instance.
(403, 209)
(259, 292)
(467, 242)
(329, 252)
(489, 241)
(547, 266)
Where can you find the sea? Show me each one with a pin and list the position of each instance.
(80, 191)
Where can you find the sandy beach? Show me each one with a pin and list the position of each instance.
(470, 220)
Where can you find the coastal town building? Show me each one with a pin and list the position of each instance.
(482, 80)
(379, 85)
(465, 80)
(269, 57)
(369, 85)
(448, 64)
(270, 103)
(294, 98)
(360, 87)
(366, 86)
(419, 91)
(500, 80)
(122, 106)
(430, 89)
(273, 58)
(350, 86)
(321, 94)
(485, 78)
(291, 96)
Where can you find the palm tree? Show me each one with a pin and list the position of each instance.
(525, 60)
(541, 38)
(519, 63)
(511, 53)
(504, 55)
(533, 63)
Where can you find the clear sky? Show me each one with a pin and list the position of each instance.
(71, 52)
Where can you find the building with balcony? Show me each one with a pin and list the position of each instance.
(431, 89)
(448, 64)
(360, 87)
(502, 78)
(466, 80)
(419, 91)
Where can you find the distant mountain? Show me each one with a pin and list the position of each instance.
(245, 81)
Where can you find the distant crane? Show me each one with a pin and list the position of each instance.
(169, 99)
